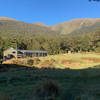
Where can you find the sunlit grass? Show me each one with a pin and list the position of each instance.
(76, 60)
(73, 61)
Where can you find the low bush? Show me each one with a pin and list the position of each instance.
(4, 97)
(30, 62)
(36, 60)
(48, 89)
(53, 60)
(15, 62)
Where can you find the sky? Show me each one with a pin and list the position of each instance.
(49, 12)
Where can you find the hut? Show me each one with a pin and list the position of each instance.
(16, 53)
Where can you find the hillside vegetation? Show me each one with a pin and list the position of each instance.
(77, 26)
(38, 36)
(15, 28)
(54, 44)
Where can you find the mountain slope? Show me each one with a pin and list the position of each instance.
(13, 27)
(41, 24)
(77, 26)
(6, 18)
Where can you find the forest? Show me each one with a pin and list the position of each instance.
(54, 44)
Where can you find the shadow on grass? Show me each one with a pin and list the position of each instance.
(14, 67)
(6, 67)
(74, 84)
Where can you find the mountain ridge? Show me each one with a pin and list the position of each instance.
(75, 24)
(41, 24)
(7, 18)
(74, 27)
(15, 28)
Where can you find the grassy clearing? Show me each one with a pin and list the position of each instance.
(22, 82)
(73, 61)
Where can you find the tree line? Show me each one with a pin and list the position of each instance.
(54, 44)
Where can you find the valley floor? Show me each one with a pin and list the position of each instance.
(72, 61)
(77, 75)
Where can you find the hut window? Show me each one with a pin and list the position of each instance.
(13, 52)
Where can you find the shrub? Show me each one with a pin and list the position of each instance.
(48, 89)
(47, 61)
(30, 62)
(1, 61)
(15, 62)
(36, 60)
(4, 97)
(52, 60)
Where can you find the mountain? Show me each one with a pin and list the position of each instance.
(11, 27)
(41, 24)
(77, 26)
(6, 18)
